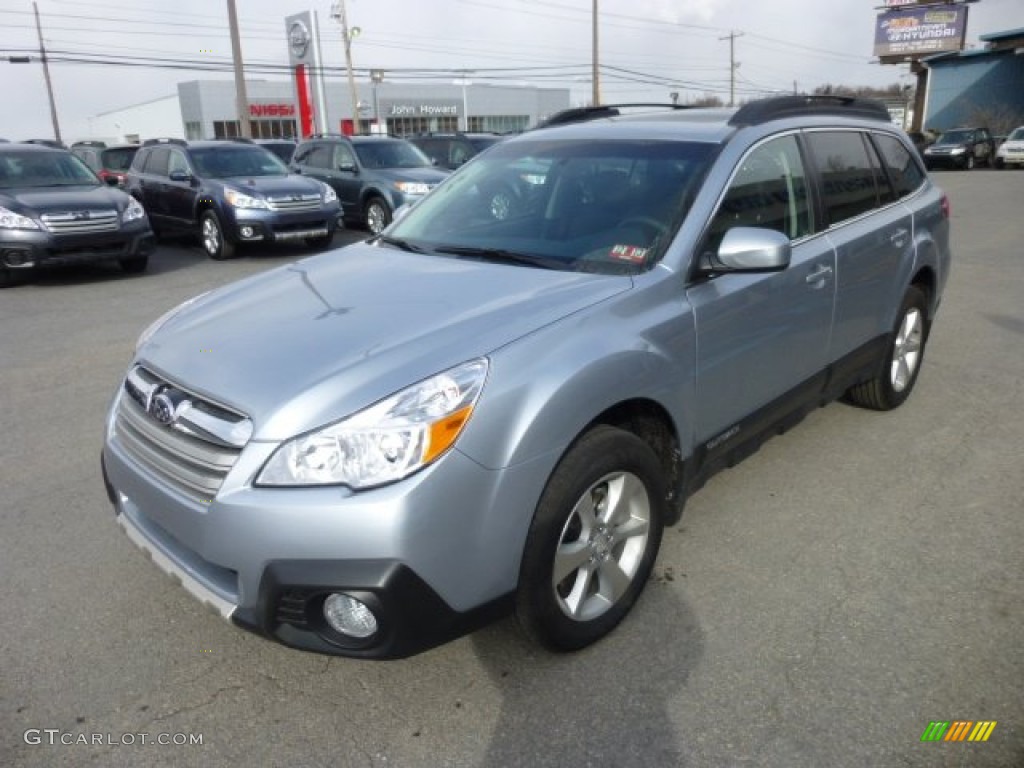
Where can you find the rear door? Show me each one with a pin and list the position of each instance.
(872, 233)
(763, 339)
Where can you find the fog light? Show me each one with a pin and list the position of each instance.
(349, 616)
(247, 232)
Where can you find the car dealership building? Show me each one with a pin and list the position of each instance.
(205, 109)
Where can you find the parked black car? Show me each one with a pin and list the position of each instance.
(451, 150)
(54, 210)
(110, 163)
(228, 193)
(961, 148)
(373, 175)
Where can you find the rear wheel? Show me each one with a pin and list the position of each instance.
(897, 373)
(211, 236)
(377, 215)
(593, 540)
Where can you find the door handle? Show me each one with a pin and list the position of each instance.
(899, 237)
(819, 274)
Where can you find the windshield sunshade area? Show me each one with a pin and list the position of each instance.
(21, 170)
(227, 162)
(607, 207)
(955, 137)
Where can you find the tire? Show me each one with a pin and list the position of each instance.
(897, 372)
(134, 265)
(7, 278)
(1000, 165)
(376, 214)
(597, 526)
(969, 163)
(211, 237)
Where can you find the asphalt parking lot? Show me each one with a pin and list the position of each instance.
(818, 605)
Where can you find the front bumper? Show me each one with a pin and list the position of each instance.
(261, 225)
(434, 556)
(946, 161)
(23, 249)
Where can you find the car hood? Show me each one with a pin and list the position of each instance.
(54, 199)
(312, 342)
(293, 184)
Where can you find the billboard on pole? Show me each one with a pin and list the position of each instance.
(911, 32)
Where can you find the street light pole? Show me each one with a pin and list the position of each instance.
(46, 75)
(595, 77)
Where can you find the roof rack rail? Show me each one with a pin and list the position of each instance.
(236, 139)
(762, 110)
(582, 114)
(327, 136)
(151, 142)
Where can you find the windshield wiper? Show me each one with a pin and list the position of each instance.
(500, 254)
(398, 242)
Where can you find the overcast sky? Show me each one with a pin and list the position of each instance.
(649, 48)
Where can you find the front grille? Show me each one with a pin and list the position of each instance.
(80, 222)
(187, 441)
(294, 203)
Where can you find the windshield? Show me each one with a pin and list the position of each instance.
(119, 159)
(227, 162)
(956, 137)
(596, 206)
(1017, 135)
(391, 154)
(43, 169)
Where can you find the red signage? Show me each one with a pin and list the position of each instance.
(272, 110)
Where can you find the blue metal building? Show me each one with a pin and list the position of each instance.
(967, 87)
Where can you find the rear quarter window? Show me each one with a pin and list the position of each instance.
(903, 169)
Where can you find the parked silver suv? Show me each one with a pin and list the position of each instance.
(372, 451)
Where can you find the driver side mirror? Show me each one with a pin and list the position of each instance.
(349, 167)
(750, 249)
(179, 176)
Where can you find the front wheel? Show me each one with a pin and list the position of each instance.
(211, 235)
(898, 372)
(969, 163)
(593, 540)
(377, 215)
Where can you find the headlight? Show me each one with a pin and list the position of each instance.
(242, 200)
(133, 211)
(387, 441)
(12, 220)
(412, 187)
(329, 194)
(958, 150)
(156, 324)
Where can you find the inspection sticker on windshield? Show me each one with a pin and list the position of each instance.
(631, 253)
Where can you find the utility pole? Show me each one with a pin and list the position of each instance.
(731, 37)
(46, 75)
(338, 11)
(241, 98)
(595, 76)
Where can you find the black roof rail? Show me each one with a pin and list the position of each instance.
(236, 139)
(582, 114)
(151, 142)
(90, 143)
(327, 136)
(774, 108)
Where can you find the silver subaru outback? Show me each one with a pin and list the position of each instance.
(500, 402)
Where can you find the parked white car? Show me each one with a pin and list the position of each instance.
(1011, 151)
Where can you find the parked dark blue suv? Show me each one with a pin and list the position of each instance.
(229, 193)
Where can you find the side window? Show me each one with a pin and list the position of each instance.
(458, 154)
(769, 190)
(302, 154)
(343, 157)
(320, 157)
(847, 175)
(886, 194)
(177, 162)
(904, 171)
(156, 163)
